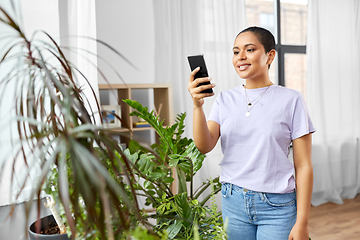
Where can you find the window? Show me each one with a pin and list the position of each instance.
(293, 16)
(267, 20)
(295, 72)
(287, 20)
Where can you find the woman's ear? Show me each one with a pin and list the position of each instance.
(271, 56)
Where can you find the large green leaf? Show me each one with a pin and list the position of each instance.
(195, 155)
(174, 229)
(184, 208)
(156, 175)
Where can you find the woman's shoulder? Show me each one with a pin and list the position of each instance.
(229, 95)
(288, 97)
(231, 91)
(287, 92)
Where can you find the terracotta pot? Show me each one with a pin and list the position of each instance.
(43, 223)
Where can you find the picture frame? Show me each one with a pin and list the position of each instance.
(107, 115)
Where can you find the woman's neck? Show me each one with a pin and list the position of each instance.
(250, 84)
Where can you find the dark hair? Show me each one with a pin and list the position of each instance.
(264, 36)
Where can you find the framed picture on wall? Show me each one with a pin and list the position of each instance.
(108, 113)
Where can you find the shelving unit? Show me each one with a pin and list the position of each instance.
(162, 96)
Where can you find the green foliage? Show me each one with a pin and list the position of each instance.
(176, 212)
(140, 233)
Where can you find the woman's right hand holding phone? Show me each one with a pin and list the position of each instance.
(195, 89)
(205, 134)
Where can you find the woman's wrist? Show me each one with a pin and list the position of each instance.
(303, 221)
(197, 107)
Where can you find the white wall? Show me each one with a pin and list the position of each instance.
(128, 26)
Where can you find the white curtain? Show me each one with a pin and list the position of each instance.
(7, 113)
(31, 16)
(333, 55)
(188, 27)
(80, 33)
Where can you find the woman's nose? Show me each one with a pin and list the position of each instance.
(242, 56)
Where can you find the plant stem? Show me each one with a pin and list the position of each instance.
(191, 178)
(204, 187)
(202, 203)
(51, 205)
(108, 216)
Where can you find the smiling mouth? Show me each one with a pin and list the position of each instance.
(243, 67)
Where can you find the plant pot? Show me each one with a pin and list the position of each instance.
(44, 222)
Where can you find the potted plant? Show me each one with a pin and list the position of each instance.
(49, 227)
(58, 131)
(181, 213)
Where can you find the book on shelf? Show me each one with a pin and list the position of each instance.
(141, 124)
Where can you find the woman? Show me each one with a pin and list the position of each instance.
(257, 123)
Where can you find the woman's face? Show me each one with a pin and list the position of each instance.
(250, 60)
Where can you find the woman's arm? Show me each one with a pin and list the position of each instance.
(304, 185)
(205, 134)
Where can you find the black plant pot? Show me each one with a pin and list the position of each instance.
(45, 221)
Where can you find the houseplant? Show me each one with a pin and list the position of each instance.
(61, 135)
(175, 211)
(83, 167)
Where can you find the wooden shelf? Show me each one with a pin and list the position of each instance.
(162, 93)
(141, 129)
(121, 129)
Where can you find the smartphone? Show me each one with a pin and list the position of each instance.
(199, 61)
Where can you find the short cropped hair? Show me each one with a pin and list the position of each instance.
(264, 36)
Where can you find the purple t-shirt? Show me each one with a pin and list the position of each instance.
(256, 147)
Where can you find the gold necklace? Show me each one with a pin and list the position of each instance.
(253, 102)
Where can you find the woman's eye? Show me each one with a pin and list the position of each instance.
(250, 50)
(236, 53)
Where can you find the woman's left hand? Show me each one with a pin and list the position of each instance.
(299, 232)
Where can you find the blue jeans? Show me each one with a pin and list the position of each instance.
(254, 215)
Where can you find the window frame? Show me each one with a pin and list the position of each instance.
(282, 49)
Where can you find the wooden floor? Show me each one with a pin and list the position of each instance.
(332, 221)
